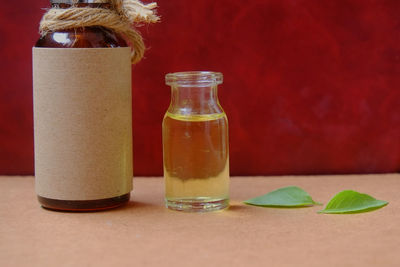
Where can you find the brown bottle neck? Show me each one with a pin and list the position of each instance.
(89, 5)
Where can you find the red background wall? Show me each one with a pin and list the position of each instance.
(310, 86)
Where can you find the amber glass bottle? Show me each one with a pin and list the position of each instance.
(84, 37)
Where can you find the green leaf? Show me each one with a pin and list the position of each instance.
(291, 196)
(349, 201)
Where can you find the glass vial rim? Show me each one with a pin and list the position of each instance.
(194, 78)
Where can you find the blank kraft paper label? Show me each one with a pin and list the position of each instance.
(83, 122)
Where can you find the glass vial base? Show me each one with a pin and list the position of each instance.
(83, 205)
(200, 204)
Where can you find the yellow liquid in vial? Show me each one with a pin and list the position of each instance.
(196, 161)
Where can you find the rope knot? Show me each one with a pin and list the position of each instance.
(121, 18)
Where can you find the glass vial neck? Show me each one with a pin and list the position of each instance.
(194, 93)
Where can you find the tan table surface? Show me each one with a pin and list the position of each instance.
(144, 233)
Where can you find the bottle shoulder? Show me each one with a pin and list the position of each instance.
(195, 117)
(195, 108)
(87, 37)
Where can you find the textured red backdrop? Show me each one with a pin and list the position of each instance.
(310, 86)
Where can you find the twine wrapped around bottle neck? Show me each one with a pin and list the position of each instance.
(120, 18)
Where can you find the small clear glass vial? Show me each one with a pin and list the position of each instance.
(195, 144)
